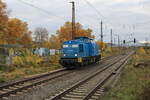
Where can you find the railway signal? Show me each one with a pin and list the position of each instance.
(124, 41)
(134, 40)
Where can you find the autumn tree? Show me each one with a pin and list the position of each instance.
(100, 44)
(26, 39)
(54, 42)
(64, 33)
(18, 32)
(3, 21)
(40, 35)
(13, 30)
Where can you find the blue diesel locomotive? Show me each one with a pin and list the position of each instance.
(79, 52)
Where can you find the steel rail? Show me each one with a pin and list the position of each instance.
(36, 77)
(102, 82)
(6, 94)
(14, 84)
(30, 79)
(59, 96)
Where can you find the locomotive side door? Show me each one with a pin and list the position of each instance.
(90, 49)
(81, 50)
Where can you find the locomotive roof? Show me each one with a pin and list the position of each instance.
(78, 40)
(83, 38)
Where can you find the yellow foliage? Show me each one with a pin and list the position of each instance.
(11, 51)
(18, 60)
(64, 32)
(137, 57)
(108, 52)
(141, 51)
(27, 58)
(100, 43)
(3, 21)
(15, 74)
(54, 59)
(52, 42)
(142, 55)
(18, 32)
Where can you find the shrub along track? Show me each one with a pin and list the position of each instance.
(20, 85)
(90, 87)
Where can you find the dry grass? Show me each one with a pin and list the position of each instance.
(22, 70)
(114, 51)
(134, 83)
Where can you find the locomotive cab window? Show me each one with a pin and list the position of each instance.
(74, 45)
(65, 46)
(80, 47)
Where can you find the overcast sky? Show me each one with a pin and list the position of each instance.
(123, 16)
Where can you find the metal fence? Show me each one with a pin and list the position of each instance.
(7, 52)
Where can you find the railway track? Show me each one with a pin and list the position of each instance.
(90, 87)
(96, 92)
(14, 87)
(18, 86)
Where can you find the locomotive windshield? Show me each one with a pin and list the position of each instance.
(74, 45)
(65, 46)
(70, 46)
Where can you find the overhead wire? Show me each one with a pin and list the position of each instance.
(143, 23)
(43, 10)
(88, 3)
(100, 16)
(98, 12)
(107, 21)
(94, 8)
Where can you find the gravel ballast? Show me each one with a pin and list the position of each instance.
(46, 90)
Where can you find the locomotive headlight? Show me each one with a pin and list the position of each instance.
(76, 55)
(64, 54)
